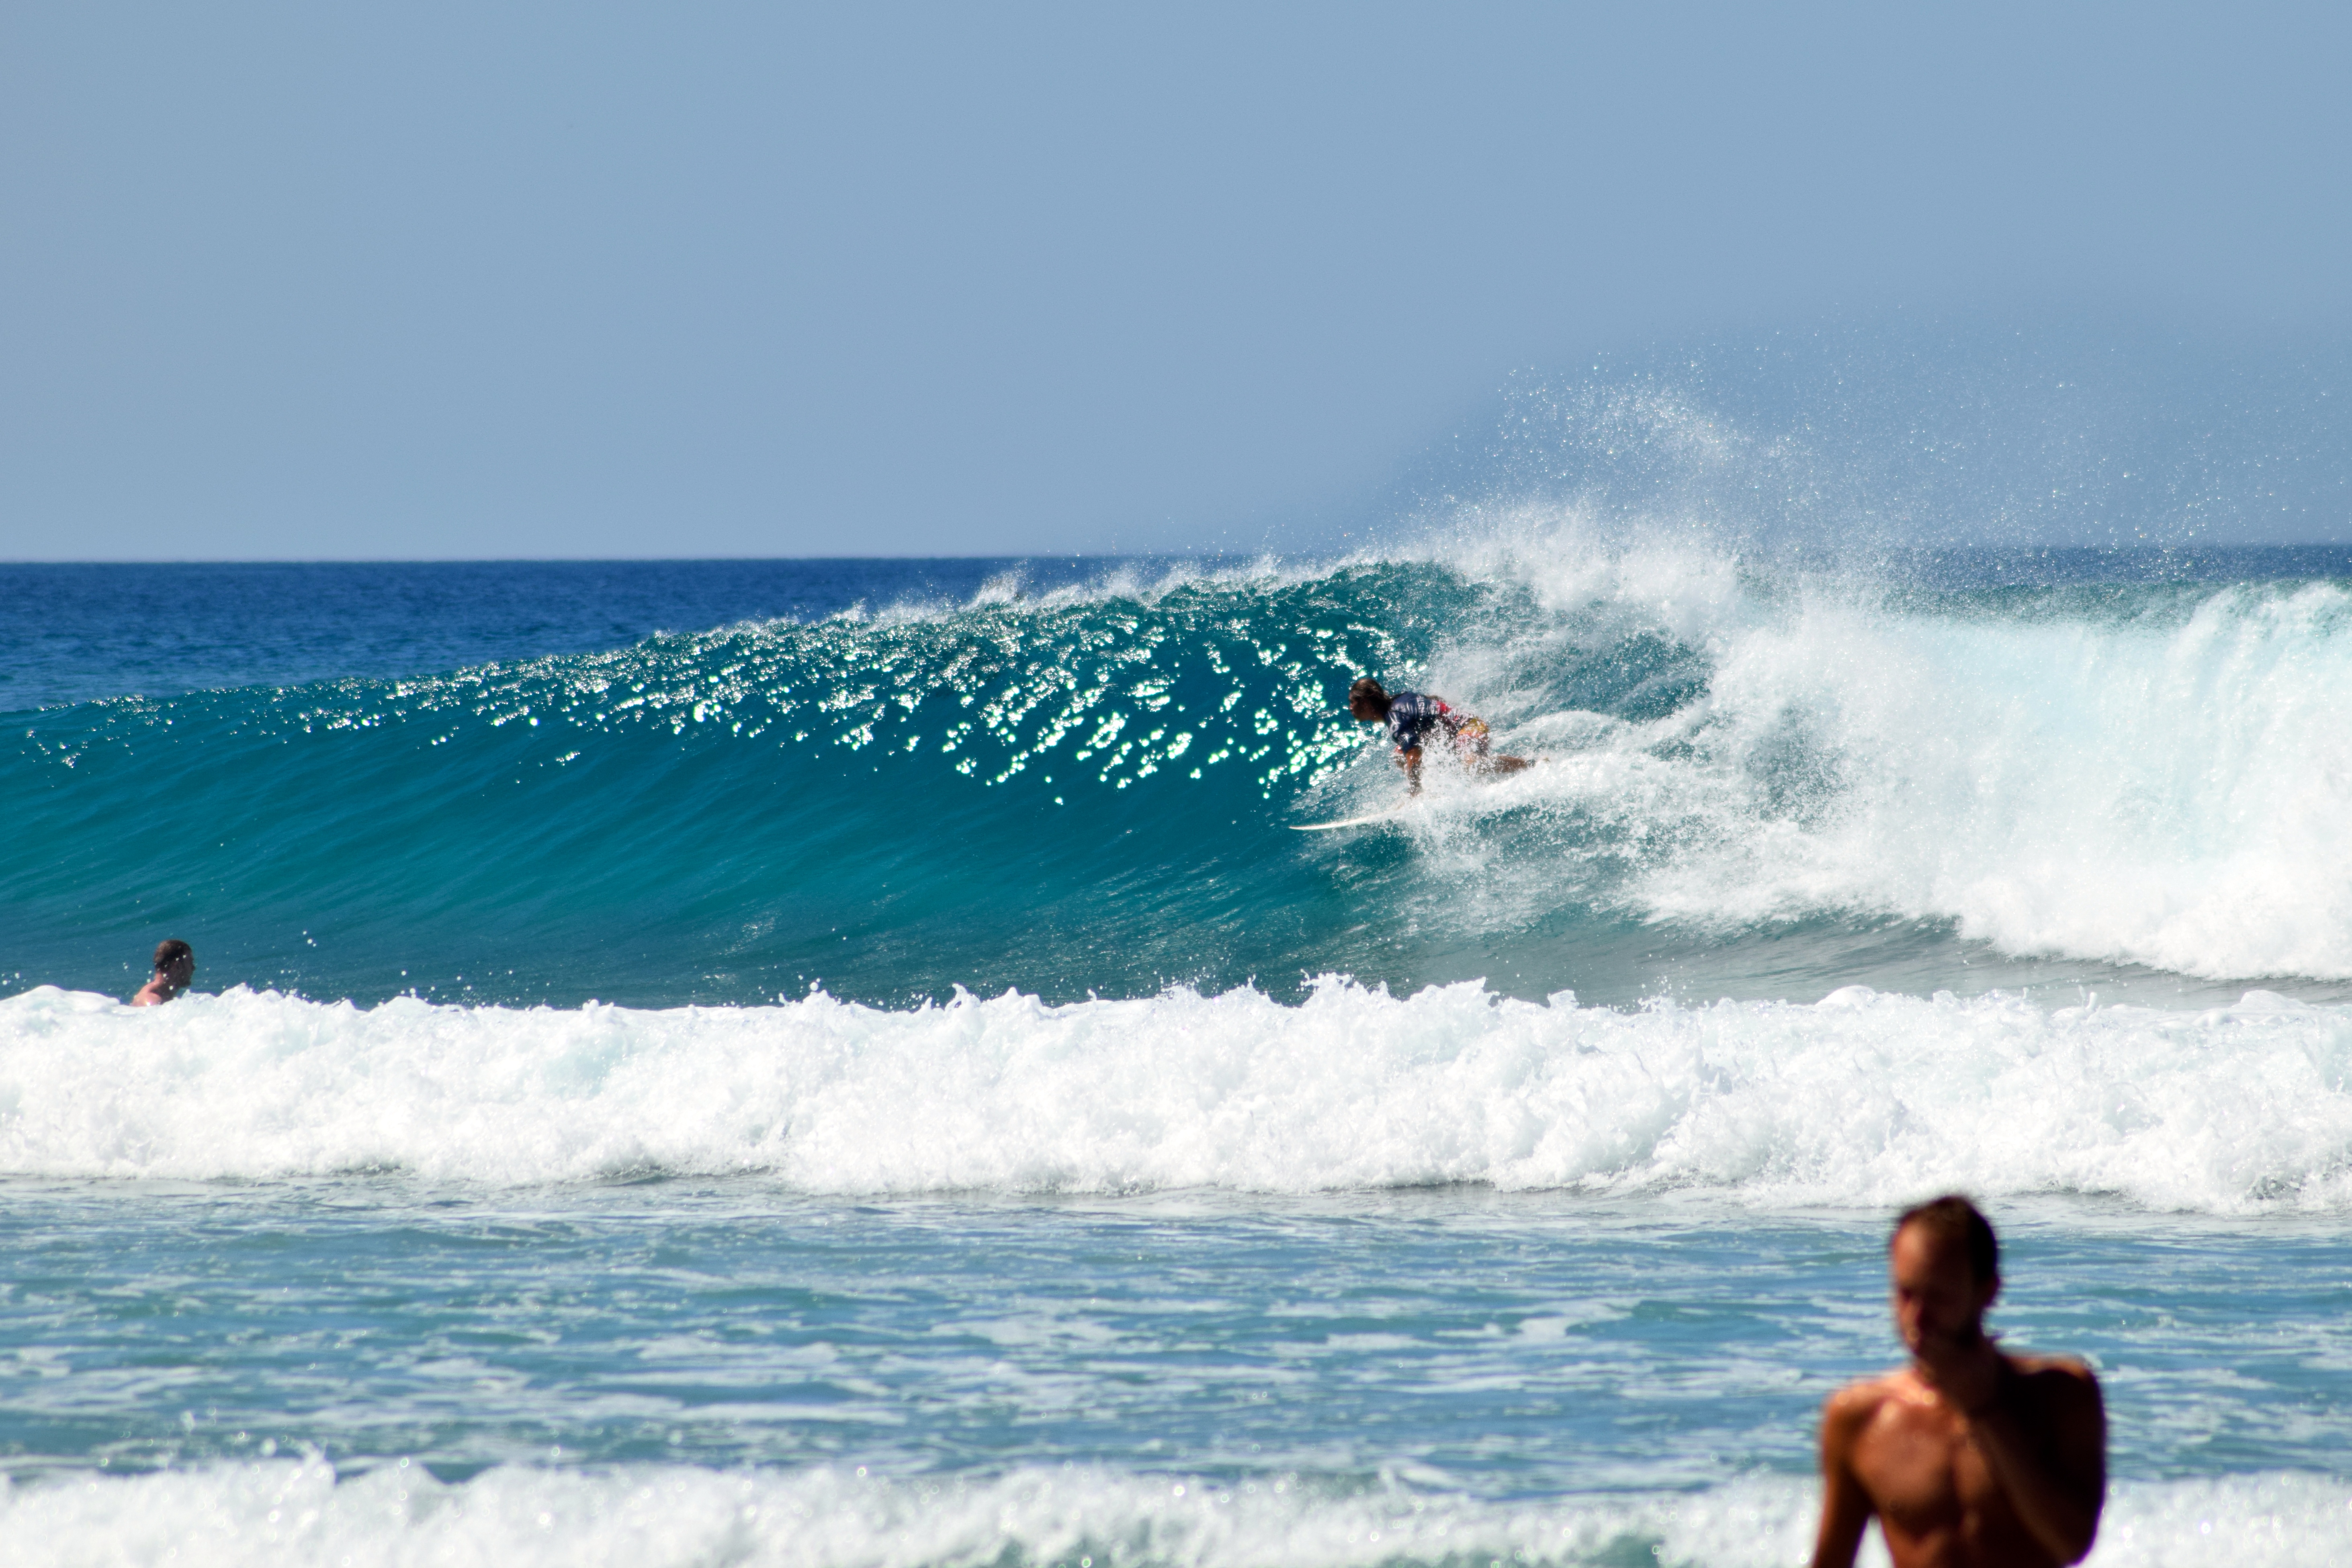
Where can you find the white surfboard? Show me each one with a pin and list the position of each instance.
(1389, 815)
(1386, 814)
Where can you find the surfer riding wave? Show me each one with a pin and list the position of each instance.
(1414, 717)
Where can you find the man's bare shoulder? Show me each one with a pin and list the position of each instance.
(2060, 1366)
(2060, 1377)
(2060, 1385)
(1851, 1407)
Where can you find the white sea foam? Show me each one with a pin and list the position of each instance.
(299, 1512)
(1863, 1099)
(2169, 785)
(1145, 582)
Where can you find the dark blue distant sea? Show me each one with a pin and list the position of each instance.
(851, 1062)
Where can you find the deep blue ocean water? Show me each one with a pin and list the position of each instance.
(849, 1061)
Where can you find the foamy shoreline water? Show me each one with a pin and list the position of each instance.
(296, 1511)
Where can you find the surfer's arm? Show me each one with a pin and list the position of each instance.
(1409, 759)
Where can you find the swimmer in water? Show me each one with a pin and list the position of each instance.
(1413, 717)
(1969, 1456)
(175, 966)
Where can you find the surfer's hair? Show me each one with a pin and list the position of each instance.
(175, 960)
(1372, 691)
(1952, 1218)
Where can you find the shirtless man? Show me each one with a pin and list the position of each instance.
(175, 966)
(1969, 1456)
(1412, 717)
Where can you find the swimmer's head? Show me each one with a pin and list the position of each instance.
(175, 964)
(1945, 1265)
(1368, 699)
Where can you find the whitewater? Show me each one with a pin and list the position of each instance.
(847, 1061)
(1859, 1099)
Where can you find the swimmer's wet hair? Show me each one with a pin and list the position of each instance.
(171, 953)
(1953, 1218)
(1369, 687)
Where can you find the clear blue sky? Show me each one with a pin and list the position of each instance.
(313, 281)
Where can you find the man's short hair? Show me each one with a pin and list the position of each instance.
(1952, 1218)
(1371, 690)
(174, 958)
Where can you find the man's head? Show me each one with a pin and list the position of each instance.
(1946, 1268)
(175, 964)
(1368, 699)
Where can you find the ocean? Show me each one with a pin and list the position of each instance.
(847, 1061)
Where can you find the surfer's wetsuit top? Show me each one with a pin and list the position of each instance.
(1412, 718)
(1416, 715)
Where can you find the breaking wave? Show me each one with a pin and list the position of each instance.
(1863, 1099)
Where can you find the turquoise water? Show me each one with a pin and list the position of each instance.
(1075, 790)
(849, 1062)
